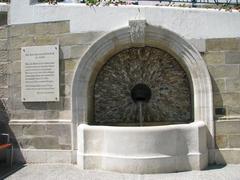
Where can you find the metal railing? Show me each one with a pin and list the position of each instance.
(235, 3)
(217, 2)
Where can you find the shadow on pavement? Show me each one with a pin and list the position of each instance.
(6, 171)
(213, 167)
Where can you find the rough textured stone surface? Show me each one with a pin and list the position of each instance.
(233, 57)
(170, 101)
(223, 44)
(19, 41)
(3, 44)
(3, 33)
(52, 28)
(42, 136)
(21, 30)
(222, 56)
(215, 58)
(228, 155)
(233, 111)
(72, 46)
(222, 141)
(3, 56)
(233, 84)
(227, 127)
(222, 71)
(234, 141)
(219, 85)
(42, 40)
(79, 38)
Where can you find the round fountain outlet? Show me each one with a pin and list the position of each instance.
(141, 93)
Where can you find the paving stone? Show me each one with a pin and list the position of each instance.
(71, 172)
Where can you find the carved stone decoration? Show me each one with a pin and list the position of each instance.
(137, 31)
(170, 101)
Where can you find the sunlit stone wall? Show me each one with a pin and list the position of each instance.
(43, 130)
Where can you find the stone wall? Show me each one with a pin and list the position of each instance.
(4, 74)
(223, 59)
(40, 125)
(44, 129)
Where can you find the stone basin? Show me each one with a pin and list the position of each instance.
(147, 149)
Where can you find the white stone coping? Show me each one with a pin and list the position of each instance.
(187, 22)
(142, 128)
(198, 9)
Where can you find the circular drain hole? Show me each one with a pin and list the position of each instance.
(141, 93)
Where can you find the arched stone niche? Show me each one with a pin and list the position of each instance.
(143, 78)
(140, 34)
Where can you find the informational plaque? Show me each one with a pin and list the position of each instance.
(40, 73)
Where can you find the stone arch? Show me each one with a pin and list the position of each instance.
(139, 34)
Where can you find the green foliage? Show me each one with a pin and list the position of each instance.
(105, 2)
(41, 1)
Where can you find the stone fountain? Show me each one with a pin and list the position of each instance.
(142, 103)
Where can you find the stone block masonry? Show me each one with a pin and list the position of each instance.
(47, 127)
(40, 126)
(223, 59)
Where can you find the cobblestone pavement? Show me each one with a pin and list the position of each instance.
(71, 172)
